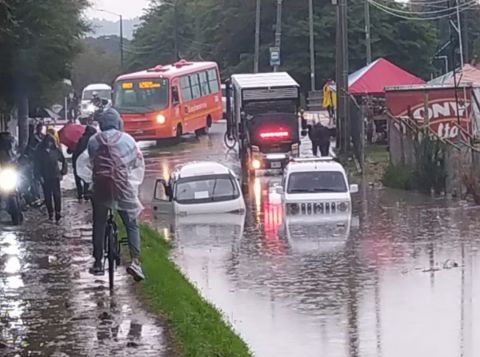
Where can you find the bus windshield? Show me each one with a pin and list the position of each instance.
(141, 96)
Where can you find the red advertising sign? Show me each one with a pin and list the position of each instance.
(446, 118)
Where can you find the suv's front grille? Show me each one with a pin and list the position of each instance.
(311, 208)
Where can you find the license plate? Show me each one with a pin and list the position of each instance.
(139, 131)
(276, 165)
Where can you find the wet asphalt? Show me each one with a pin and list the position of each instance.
(397, 277)
(51, 306)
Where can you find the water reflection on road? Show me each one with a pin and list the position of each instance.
(394, 279)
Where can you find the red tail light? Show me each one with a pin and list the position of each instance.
(272, 135)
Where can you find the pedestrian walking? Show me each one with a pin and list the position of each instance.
(320, 137)
(82, 186)
(47, 170)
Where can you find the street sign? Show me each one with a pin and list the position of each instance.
(274, 56)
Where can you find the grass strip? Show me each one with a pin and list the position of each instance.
(197, 328)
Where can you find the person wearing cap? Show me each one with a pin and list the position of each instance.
(117, 171)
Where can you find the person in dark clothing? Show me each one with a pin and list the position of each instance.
(47, 170)
(82, 186)
(320, 137)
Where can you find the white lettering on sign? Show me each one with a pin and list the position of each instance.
(196, 108)
(441, 110)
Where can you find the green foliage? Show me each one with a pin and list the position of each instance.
(223, 31)
(198, 328)
(430, 171)
(38, 41)
(94, 65)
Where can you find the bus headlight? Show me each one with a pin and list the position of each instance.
(8, 180)
(161, 119)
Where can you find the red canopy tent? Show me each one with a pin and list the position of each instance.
(372, 79)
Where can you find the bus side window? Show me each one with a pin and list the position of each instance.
(175, 97)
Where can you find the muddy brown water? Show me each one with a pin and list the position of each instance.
(397, 277)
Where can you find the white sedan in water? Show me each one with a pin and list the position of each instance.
(200, 188)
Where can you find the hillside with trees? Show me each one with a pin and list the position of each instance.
(224, 31)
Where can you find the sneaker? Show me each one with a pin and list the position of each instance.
(135, 270)
(97, 269)
(58, 217)
(50, 216)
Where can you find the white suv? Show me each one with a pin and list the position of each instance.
(316, 186)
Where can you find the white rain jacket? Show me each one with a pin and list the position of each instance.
(115, 165)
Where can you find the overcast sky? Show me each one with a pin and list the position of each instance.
(127, 8)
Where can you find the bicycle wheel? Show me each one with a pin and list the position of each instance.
(229, 142)
(112, 255)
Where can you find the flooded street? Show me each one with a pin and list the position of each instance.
(396, 278)
(51, 306)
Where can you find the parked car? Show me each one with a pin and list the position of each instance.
(316, 186)
(200, 188)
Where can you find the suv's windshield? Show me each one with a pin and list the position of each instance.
(103, 93)
(204, 189)
(316, 181)
(141, 96)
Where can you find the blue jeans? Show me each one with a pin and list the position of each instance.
(100, 216)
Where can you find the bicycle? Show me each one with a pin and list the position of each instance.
(111, 248)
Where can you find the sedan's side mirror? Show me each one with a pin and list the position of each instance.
(353, 188)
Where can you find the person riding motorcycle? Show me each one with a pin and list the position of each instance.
(117, 170)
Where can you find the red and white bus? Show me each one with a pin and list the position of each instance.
(168, 101)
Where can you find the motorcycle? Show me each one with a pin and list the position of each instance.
(10, 194)
(95, 108)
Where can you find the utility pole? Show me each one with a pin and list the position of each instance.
(368, 42)
(460, 39)
(342, 76)
(121, 42)
(312, 45)
(278, 31)
(175, 20)
(257, 37)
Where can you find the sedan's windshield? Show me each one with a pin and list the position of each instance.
(104, 94)
(316, 181)
(141, 96)
(204, 189)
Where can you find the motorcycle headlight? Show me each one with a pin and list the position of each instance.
(8, 179)
(91, 108)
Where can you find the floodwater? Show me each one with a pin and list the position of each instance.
(397, 277)
(51, 306)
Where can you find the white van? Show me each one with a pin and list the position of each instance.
(102, 90)
(316, 186)
(200, 188)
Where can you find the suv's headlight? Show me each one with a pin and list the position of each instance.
(8, 179)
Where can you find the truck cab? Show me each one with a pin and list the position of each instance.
(264, 111)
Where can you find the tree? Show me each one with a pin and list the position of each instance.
(223, 31)
(43, 38)
(93, 65)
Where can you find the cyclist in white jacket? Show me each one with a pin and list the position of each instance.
(118, 169)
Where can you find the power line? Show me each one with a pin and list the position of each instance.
(392, 12)
(434, 12)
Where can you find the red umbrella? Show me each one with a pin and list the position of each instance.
(70, 134)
